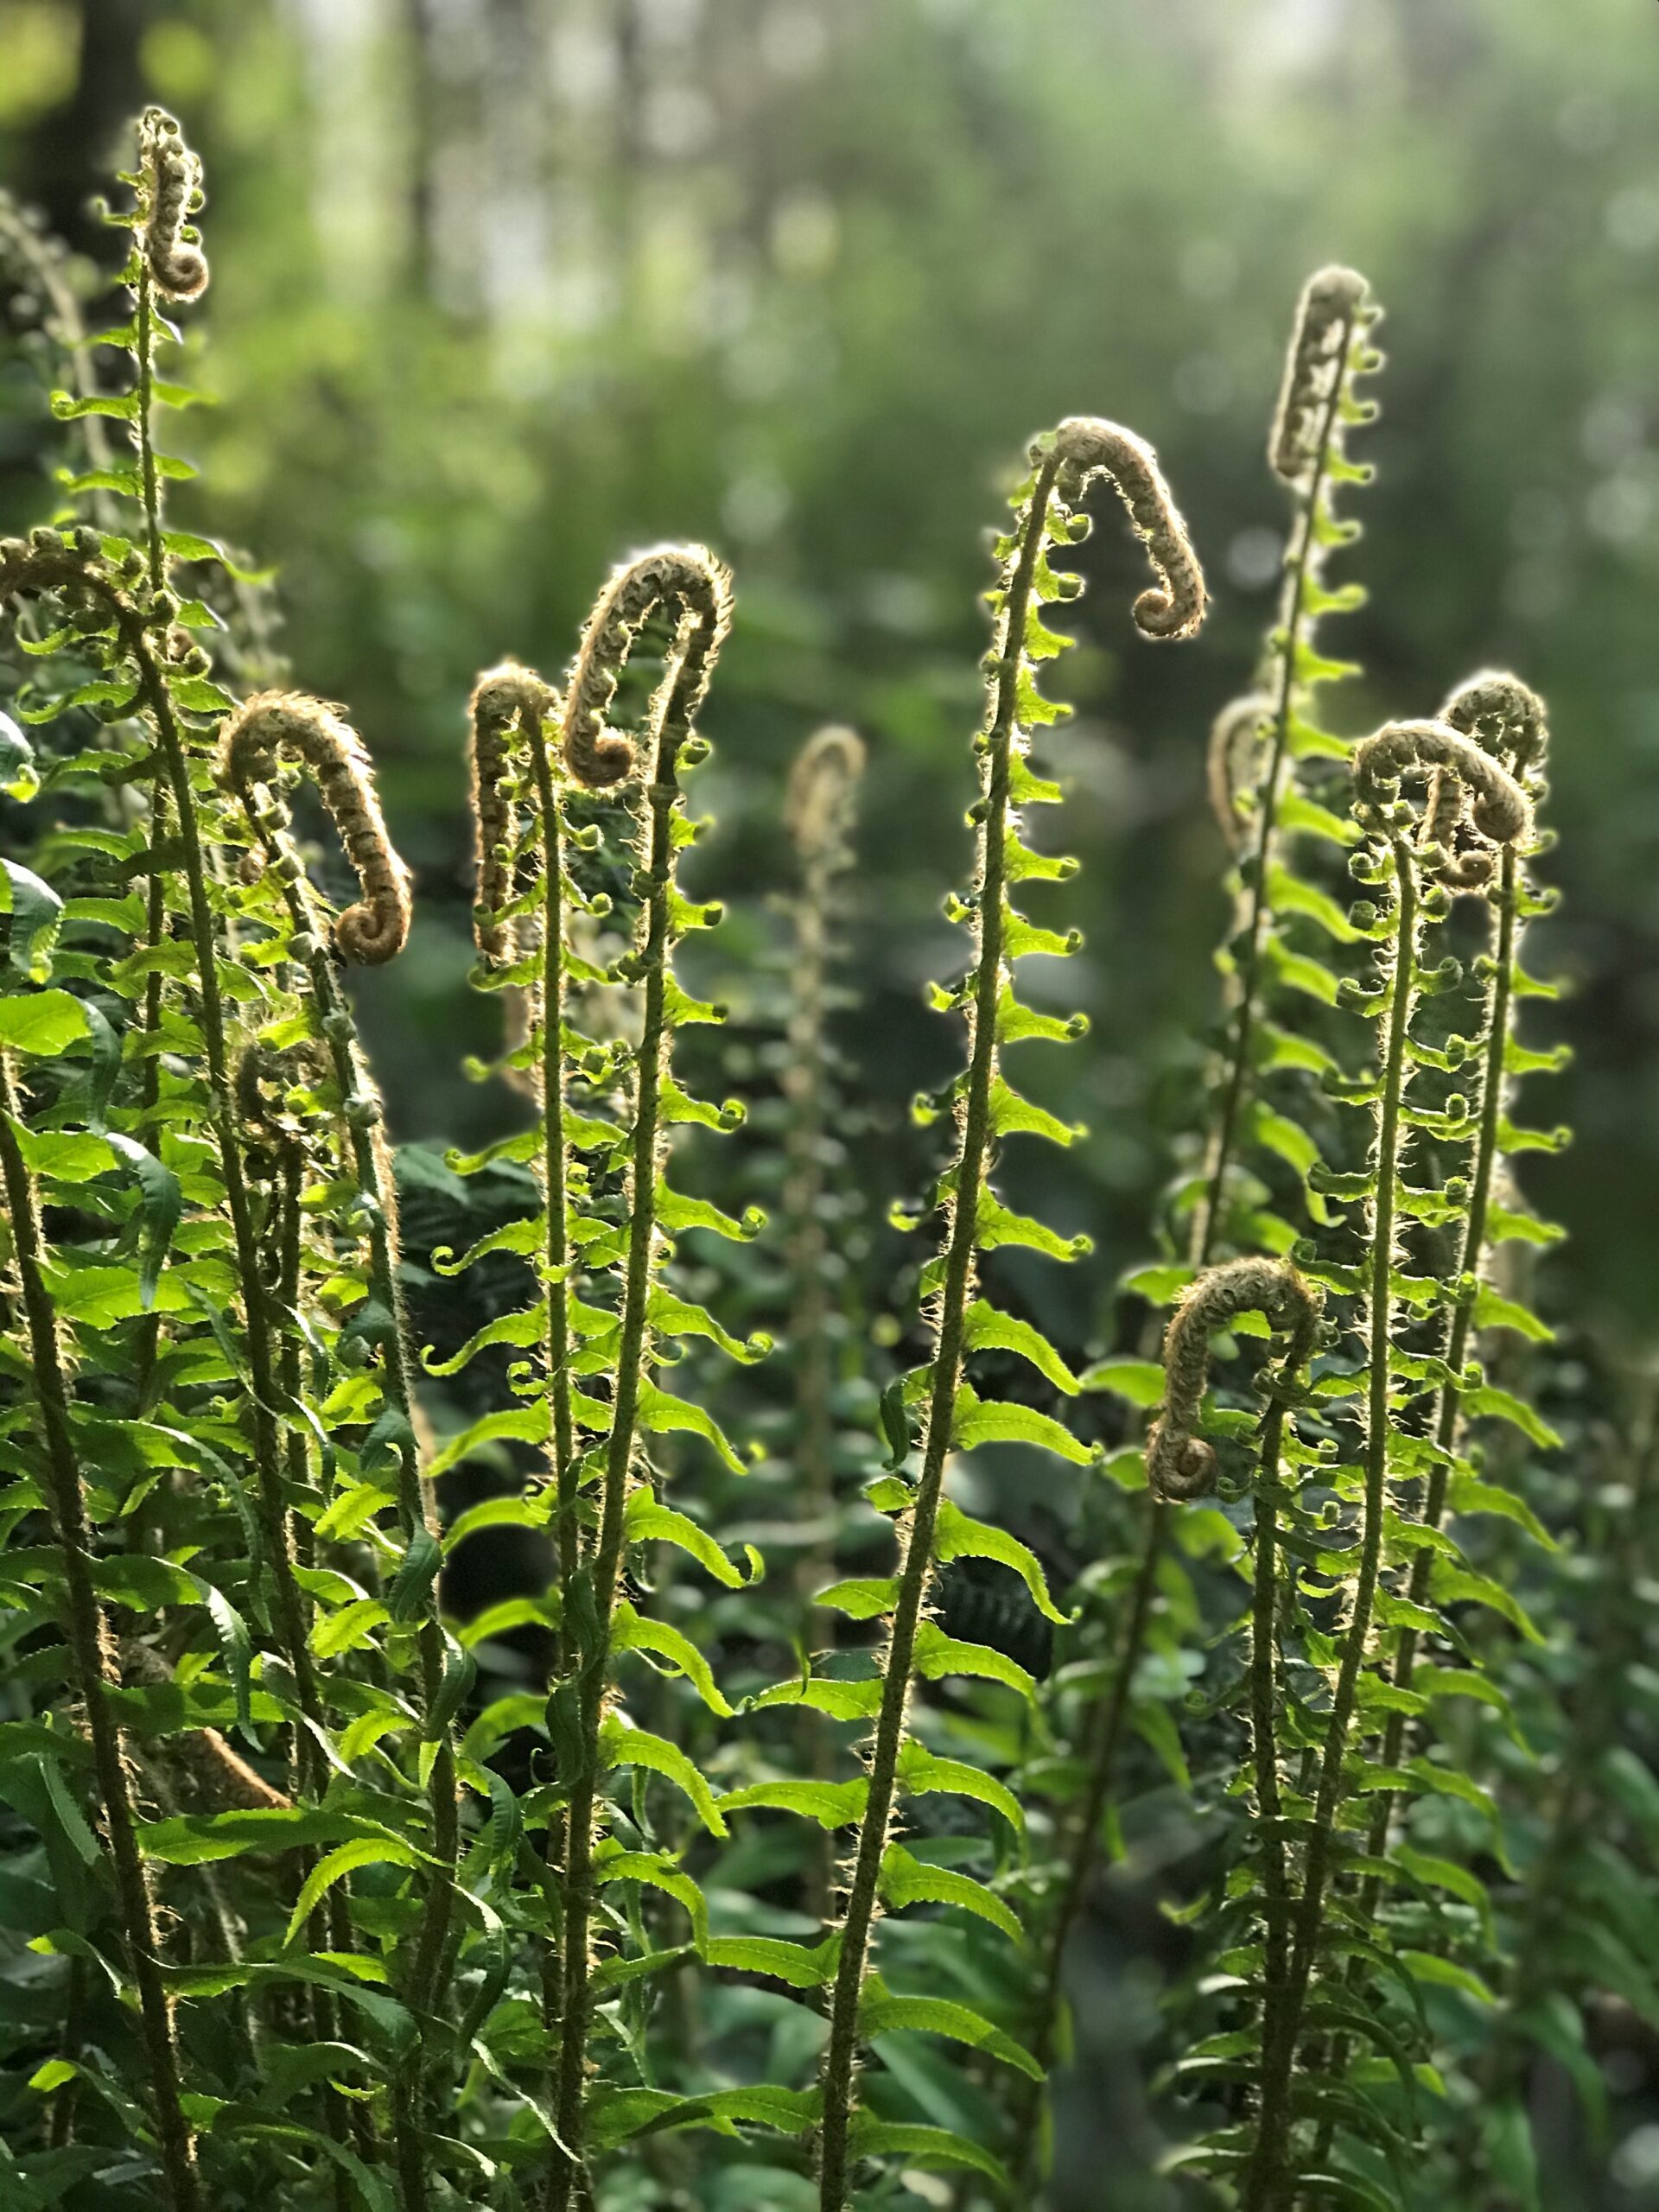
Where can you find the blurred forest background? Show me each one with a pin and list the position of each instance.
(505, 288)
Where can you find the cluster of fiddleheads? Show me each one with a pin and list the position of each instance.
(309, 1889)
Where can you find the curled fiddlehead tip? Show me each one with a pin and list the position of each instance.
(688, 577)
(274, 723)
(1504, 715)
(172, 192)
(503, 698)
(1235, 738)
(1333, 303)
(1180, 1463)
(823, 784)
(1088, 447)
(1499, 809)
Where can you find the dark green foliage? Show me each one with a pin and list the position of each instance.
(640, 1880)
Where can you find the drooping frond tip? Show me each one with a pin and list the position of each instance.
(172, 192)
(822, 783)
(1333, 303)
(1088, 447)
(274, 723)
(690, 580)
(1498, 809)
(1180, 1463)
(503, 698)
(1235, 738)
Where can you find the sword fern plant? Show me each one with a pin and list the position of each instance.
(298, 1898)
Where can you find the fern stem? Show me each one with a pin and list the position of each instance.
(1448, 1405)
(822, 797)
(1104, 1733)
(1448, 1402)
(916, 1573)
(1264, 2182)
(265, 1393)
(95, 1665)
(1303, 562)
(378, 1203)
(1264, 1711)
(1105, 1726)
(556, 1254)
(143, 431)
(577, 1895)
(156, 890)
(556, 1192)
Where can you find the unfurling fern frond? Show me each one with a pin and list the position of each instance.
(1273, 2163)
(1180, 1463)
(688, 587)
(985, 1108)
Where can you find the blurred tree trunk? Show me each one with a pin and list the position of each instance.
(422, 128)
(72, 151)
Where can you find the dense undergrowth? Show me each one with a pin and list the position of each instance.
(736, 1859)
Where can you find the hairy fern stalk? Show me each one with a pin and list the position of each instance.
(985, 1109)
(321, 1887)
(1269, 764)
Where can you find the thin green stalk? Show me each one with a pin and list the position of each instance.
(72, 564)
(1265, 2178)
(1104, 1733)
(266, 1392)
(1301, 573)
(1264, 1694)
(917, 1530)
(155, 930)
(92, 1646)
(249, 744)
(1448, 1404)
(556, 1250)
(506, 698)
(823, 794)
(1104, 1729)
(144, 364)
(699, 590)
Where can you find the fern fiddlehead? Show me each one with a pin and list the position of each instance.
(1501, 813)
(693, 591)
(1502, 715)
(1330, 352)
(1259, 808)
(1080, 450)
(512, 710)
(119, 616)
(512, 729)
(252, 743)
(1181, 1466)
(1508, 717)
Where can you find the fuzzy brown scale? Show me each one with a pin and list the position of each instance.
(822, 783)
(1084, 446)
(688, 578)
(172, 192)
(1180, 1463)
(252, 744)
(1504, 714)
(1330, 302)
(501, 698)
(1498, 809)
(1236, 737)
